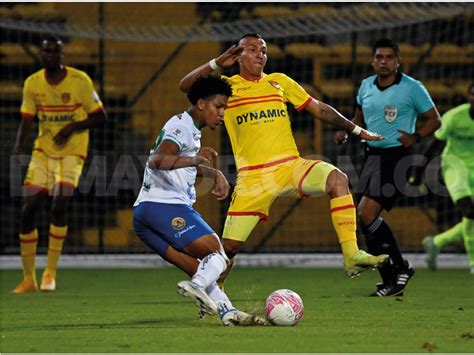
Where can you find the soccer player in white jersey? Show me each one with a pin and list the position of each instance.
(163, 215)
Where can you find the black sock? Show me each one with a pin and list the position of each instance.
(375, 248)
(384, 236)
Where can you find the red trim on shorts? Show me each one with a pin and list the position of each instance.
(35, 187)
(306, 103)
(263, 216)
(27, 116)
(300, 184)
(340, 208)
(267, 165)
(27, 241)
(83, 157)
(56, 236)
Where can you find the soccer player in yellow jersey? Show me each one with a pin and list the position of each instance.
(266, 155)
(67, 106)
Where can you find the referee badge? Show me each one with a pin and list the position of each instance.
(390, 113)
(178, 223)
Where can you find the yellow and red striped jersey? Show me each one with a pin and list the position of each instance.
(257, 120)
(58, 105)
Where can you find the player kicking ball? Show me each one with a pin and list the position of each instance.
(163, 215)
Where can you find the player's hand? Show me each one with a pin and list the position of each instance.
(340, 137)
(370, 136)
(230, 56)
(205, 155)
(221, 188)
(64, 134)
(406, 138)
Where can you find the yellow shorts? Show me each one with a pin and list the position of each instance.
(257, 189)
(44, 171)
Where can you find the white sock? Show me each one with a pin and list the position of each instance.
(216, 294)
(209, 269)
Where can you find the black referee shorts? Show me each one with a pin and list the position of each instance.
(385, 174)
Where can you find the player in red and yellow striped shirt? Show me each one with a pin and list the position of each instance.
(64, 100)
(267, 158)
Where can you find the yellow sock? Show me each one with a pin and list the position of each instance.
(56, 239)
(343, 214)
(28, 242)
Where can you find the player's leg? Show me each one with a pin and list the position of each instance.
(35, 192)
(67, 172)
(379, 238)
(434, 244)
(322, 177)
(33, 198)
(466, 205)
(237, 229)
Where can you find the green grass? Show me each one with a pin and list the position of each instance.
(140, 311)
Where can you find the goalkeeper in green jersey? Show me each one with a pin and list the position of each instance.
(457, 163)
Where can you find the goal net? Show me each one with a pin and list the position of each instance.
(137, 53)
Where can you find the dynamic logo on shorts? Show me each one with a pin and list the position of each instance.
(178, 223)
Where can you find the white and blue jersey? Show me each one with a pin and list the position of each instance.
(393, 107)
(163, 214)
(173, 186)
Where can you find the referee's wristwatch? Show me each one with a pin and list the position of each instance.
(417, 137)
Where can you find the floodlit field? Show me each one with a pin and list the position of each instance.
(140, 311)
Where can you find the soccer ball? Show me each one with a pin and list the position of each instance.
(284, 307)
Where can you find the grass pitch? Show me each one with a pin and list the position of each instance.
(140, 311)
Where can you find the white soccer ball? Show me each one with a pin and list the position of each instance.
(284, 307)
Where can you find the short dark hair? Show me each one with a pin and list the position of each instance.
(53, 39)
(386, 43)
(207, 86)
(253, 35)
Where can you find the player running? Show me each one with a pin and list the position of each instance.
(457, 164)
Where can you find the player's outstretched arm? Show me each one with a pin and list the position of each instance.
(342, 135)
(327, 113)
(226, 59)
(94, 120)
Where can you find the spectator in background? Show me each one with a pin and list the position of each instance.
(64, 100)
(457, 162)
(388, 102)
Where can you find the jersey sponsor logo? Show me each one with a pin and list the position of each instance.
(258, 115)
(65, 97)
(178, 223)
(56, 118)
(390, 113)
(275, 84)
(178, 235)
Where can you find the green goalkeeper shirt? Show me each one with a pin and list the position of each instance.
(457, 129)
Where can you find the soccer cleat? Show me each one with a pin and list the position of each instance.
(25, 286)
(363, 261)
(48, 283)
(432, 252)
(230, 316)
(401, 281)
(194, 291)
(379, 286)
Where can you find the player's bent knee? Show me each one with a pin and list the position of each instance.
(232, 247)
